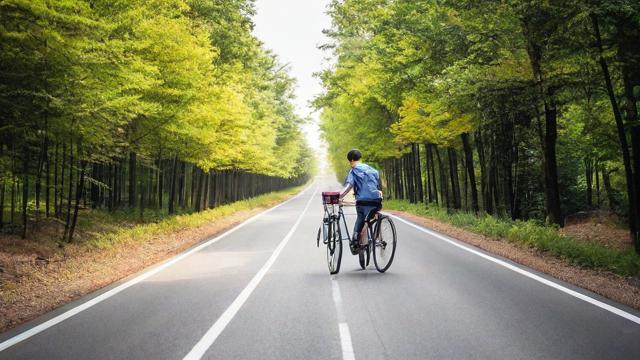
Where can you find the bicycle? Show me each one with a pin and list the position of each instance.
(381, 237)
(330, 230)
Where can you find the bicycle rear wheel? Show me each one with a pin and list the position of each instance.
(384, 243)
(334, 247)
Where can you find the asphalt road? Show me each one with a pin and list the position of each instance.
(263, 291)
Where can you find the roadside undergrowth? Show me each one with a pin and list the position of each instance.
(170, 224)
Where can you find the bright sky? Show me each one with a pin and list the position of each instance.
(293, 30)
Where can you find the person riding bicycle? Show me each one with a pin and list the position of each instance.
(365, 182)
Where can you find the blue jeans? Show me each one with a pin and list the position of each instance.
(363, 211)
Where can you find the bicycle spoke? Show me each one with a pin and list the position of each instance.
(334, 248)
(384, 244)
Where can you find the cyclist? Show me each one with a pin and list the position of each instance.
(365, 182)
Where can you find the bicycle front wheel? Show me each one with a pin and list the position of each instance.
(384, 244)
(334, 248)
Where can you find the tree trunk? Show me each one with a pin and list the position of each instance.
(427, 170)
(47, 183)
(25, 189)
(551, 167)
(516, 202)
(194, 178)
(38, 180)
(2, 186)
(434, 179)
(198, 192)
(632, 122)
(117, 177)
(588, 174)
(410, 179)
(398, 178)
(149, 188)
(484, 176)
(95, 190)
(112, 185)
(55, 181)
(79, 194)
(492, 186)
(206, 186)
(122, 181)
(172, 192)
(634, 212)
(13, 200)
(63, 168)
(465, 185)
(418, 173)
(211, 191)
(182, 189)
(453, 174)
(132, 179)
(552, 192)
(628, 34)
(607, 185)
(597, 171)
(236, 185)
(443, 180)
(67, 224)
(142, 190)
(160, 184)
(468, 154)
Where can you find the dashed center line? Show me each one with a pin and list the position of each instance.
(216, 329)
(345, 334)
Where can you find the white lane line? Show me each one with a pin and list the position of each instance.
(345, 334)
(86, 305)
(345, 341)
(216, 329)
(337, 300)
(528, 274)
(335, 290)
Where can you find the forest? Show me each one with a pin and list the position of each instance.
(523, 109)
(170, 105)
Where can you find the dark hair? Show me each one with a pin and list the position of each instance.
(354, 155)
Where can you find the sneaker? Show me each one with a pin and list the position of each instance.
(353, 246)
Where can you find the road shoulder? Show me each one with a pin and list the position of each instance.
(82, 270)
(603, 283)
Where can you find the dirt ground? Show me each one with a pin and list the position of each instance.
(601, 227)
(607, 284)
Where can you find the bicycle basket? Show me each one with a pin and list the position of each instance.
(330, 197)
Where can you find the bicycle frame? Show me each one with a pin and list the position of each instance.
(370, 224)
(331, 215)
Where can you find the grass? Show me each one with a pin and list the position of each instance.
(532, 234)
(163, 225)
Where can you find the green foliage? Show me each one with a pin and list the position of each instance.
(124, 96)
(156, 77)
(532, 234)
(521, 82)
